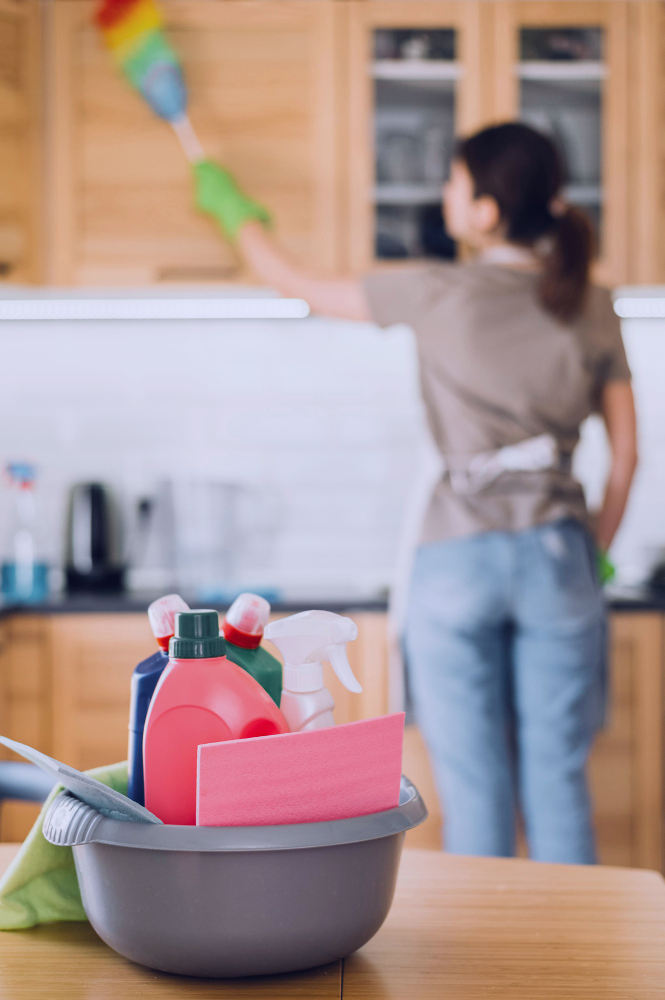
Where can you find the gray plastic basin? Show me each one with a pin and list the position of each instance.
(235, 901)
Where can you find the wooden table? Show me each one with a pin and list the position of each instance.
(460, 929)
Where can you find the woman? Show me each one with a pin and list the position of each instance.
(506, 624)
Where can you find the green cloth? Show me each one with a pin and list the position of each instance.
(218, 195)
(40, 886)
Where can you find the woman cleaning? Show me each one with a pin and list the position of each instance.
(506, 621)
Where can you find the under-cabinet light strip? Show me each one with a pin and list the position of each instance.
(640, 307)
(152, 309)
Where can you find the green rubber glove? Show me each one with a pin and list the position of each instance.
(218, 195)
(605, 566)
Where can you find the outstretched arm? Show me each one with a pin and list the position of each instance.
(241, 218)
(338, 297)
(618, 411)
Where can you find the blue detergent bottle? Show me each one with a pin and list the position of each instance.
(161, 615)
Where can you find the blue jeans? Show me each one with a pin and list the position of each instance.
(505, 642)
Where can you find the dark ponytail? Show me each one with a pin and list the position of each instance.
(522, 170)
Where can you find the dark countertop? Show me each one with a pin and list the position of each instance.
(642, 598)
(138, 602)
(619, 599)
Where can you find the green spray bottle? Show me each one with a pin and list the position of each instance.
(243, 630)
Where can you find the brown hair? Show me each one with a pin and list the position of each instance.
(522, 170)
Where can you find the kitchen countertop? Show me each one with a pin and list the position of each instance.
(462, 928)
(635, 599)
(618, 598)
(138, 602)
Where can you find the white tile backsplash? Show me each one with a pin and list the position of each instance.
(324, 415)
(321, 414)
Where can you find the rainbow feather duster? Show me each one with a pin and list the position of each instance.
(134, 32)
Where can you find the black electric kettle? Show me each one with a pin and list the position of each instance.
(93, 558)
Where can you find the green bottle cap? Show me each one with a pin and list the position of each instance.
(196, 636)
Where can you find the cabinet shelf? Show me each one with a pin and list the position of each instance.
(429, 194)
(407, 194)
(416, 69)
(563, 71)
(584, 194)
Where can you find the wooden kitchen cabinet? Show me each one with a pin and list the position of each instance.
(600, 98)
(297, 98)
(93, 656)
(627, 760)
(25, 703)
(265, 79)
(627, 75)
(20, 188)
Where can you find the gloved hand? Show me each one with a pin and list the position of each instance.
(218, 195)
(605, 566)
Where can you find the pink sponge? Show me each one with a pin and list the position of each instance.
(335, 773)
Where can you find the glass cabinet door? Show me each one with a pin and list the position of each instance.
(564, 67)
(414, 72)
(414, 83)
(562, 76)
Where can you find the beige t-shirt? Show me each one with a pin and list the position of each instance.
(495, 370)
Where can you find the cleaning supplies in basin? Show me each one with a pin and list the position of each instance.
(325, 774)
(161, 615)
(243, 630)
(305, 640)
(228, 901)
(202, 697)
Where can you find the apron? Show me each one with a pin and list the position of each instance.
(467, 475)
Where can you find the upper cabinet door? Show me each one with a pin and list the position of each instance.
(19, 141)
(416, 79)
(563, 68)
(263, 96)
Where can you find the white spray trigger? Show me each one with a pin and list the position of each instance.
(305, 640)
(336, 657)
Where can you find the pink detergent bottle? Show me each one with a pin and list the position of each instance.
(202, 697)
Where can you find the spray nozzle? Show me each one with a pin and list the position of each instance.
(245, 620)
(308, 638)
(161, 615)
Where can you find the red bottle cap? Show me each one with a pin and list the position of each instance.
(245, 621)
(161, 615)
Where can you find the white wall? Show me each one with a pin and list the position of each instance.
(323, 414)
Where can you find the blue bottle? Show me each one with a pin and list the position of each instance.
(144, 682)
(23, 574)
(145, 678)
